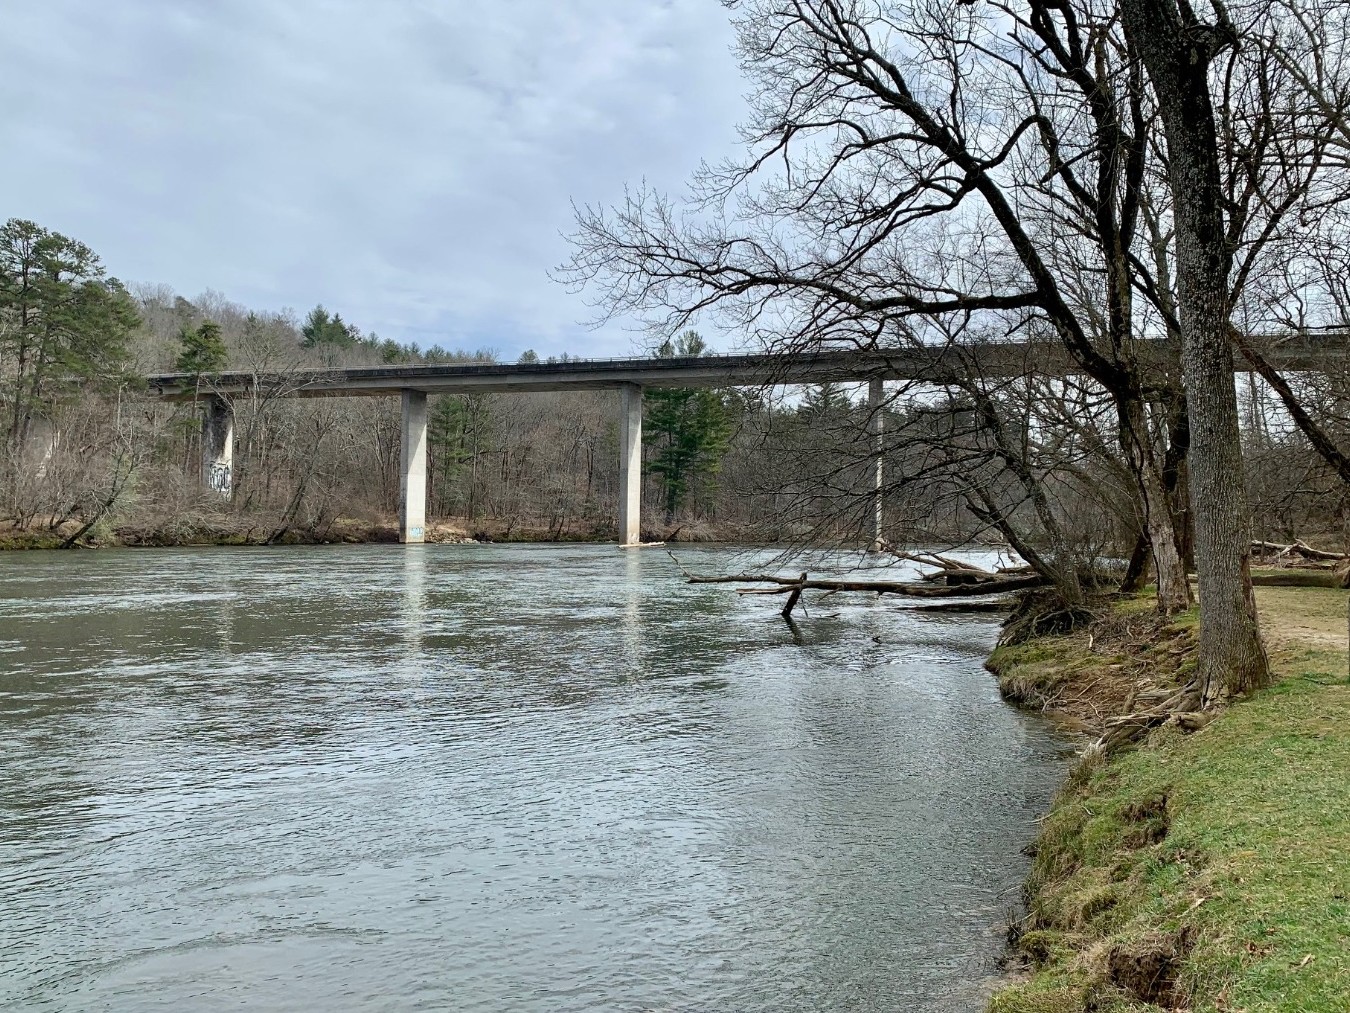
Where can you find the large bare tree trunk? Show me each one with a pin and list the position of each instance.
(1174, 587)
(1176, 51)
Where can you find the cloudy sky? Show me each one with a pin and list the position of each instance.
(408, 163)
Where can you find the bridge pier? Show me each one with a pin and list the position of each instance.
(412, 493)
(218, 446)
(876, 426)
(40, 446)
(630, 465)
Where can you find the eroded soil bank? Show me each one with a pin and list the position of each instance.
(1200, 871)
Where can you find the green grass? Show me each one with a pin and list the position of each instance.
(1220, 859)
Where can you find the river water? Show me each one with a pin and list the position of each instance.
(494, 778)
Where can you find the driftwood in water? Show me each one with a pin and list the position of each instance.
(965, 606)
(956, 571)
(910, 589)
(794, 597)
(941, 562)
(794, 586)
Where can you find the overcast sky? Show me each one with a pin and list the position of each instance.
(408, 163)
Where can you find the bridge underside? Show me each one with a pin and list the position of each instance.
(629, 376)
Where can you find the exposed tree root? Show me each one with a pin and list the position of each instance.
(1186, 709)
(1044, 614)
(1120, 674)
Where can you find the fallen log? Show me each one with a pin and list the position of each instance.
(909, 589)
(941, 562)
(793, 598)
(1297, 548)
(965, 606)
(952, 571)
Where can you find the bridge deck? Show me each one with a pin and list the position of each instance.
(1308, 352)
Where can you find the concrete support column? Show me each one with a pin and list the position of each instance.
(412, 496)
(40, 446)
(218, 446)
(630, 464)
(876, 426)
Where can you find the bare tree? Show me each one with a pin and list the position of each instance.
(888, 189)
(1178, 50)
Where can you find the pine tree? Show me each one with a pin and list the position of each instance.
(324, 331)
(203, 350)
(63, 323)
(691, 429)
(824, 401)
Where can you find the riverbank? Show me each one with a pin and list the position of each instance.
(1207, 871)
(224, 530)
(185, 533)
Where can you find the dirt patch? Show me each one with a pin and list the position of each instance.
(1302, 619)
(1148, 970)
(1148, 821)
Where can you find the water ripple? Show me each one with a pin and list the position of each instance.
(493, 778)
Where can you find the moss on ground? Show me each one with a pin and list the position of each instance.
(1208, 872)
(12, 540)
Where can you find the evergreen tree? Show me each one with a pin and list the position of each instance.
(824, 401)
(321, 330)
(458, 433)
(691, 430)
(203, 350)
(63, 323)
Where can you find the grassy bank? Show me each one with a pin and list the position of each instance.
(1206, 871)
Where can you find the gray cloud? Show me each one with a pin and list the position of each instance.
(407, 163)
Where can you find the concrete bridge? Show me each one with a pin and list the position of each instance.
(216, 393)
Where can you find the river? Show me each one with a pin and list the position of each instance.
(495, 778)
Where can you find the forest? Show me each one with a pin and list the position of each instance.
(91, 456)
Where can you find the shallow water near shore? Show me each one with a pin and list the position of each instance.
(495, 778)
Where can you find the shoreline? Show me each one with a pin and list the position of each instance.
(1205, 870)
(222, 534)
